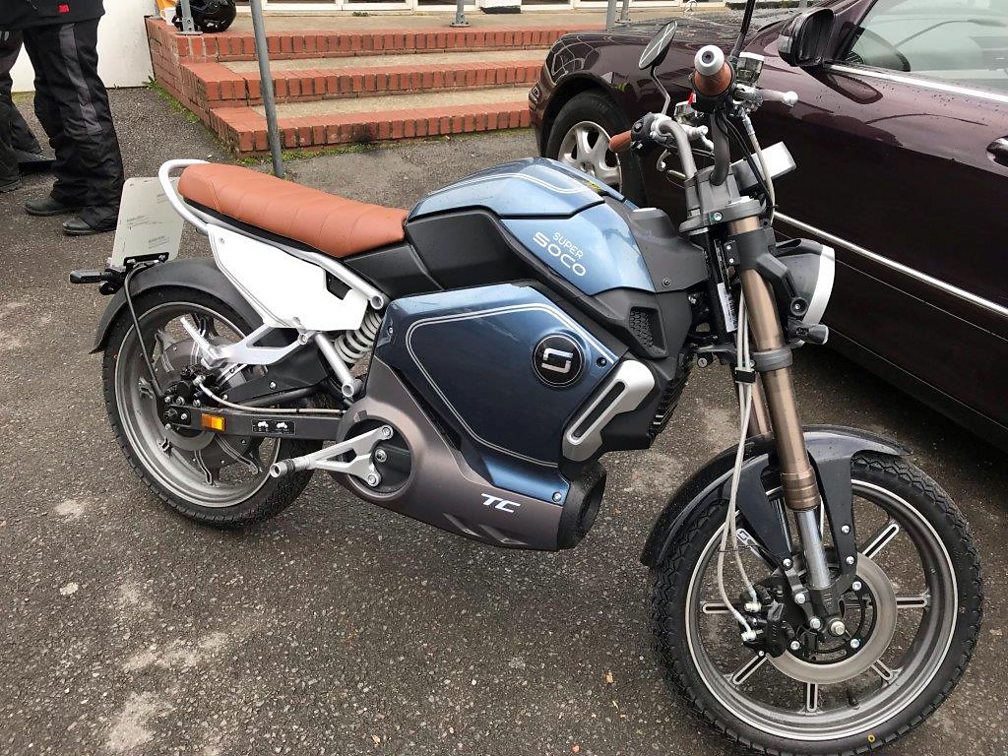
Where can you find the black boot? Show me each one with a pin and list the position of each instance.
(80, 227)
(49, 206)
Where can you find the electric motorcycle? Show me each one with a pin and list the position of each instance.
(468, 362)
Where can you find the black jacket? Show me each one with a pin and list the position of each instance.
(23, 14)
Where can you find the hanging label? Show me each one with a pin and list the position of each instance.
(727, 308)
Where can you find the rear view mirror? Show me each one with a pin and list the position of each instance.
(656, 49)
(803, 41)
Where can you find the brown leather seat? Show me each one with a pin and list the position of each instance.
(334, 225)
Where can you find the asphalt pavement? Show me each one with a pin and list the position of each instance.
(337, 627)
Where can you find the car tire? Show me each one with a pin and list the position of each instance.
(596, 109)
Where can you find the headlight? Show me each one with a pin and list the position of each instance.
(813, 269)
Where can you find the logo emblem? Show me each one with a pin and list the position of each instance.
(558, 361)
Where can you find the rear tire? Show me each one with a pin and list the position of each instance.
(598, 115)
(685, 654)
(133, 422)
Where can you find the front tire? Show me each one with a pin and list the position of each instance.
(760, 705)
(215, 480)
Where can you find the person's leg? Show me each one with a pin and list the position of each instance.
(70, 189)
(87, 120)
(10, 177)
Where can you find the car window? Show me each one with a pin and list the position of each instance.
(962, 41)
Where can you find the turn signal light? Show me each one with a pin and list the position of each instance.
(212, 422)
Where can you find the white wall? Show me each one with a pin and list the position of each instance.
(123, 59)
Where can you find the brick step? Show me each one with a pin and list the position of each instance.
(239, 45)
(214, 85)
(347, 121)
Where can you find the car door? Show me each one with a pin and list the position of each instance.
(903, 167)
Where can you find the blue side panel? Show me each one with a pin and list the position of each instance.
(594, 249)
(469, 354)
(524, 188)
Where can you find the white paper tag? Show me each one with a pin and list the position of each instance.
(149, 228)
(727, 308)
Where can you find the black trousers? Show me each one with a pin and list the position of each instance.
(73, 107)
(14, 132)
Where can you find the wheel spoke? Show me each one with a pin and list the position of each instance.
(881, 539)
(747, 670)
(248, 460)
(164, 341)
(211, 475)
(607, 173)
(887, 673)
(811, 698)
(583, 147)
(144, 388)
(713, 607)
(923, 601)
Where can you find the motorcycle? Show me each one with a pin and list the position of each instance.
(468, 363)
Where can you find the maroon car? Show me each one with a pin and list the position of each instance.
(901, 138)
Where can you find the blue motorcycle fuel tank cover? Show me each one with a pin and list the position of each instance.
(564, 217)
(533, 187)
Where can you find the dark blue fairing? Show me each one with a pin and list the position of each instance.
(564, 217)
(469, 355)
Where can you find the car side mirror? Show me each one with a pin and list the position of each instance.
(804, 40)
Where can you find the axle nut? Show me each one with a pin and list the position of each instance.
(837, 628)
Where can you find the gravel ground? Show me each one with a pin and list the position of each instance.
(338, 628)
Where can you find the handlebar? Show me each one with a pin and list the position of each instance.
(621, 142)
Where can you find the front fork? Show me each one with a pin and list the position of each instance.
(775, 408)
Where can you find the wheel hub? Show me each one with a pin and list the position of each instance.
(869, 618)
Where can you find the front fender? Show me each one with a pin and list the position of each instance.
(830, 448)
(199, 273)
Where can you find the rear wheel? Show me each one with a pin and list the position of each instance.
(912, 620)
(580, 137)
(211, 478)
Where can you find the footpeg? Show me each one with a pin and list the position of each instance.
(361, 466)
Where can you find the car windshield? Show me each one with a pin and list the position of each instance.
(964, 42)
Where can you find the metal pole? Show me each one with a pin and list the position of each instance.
(460, 19)
(624, 16)
(188, 27)
(610, 15)
(266, 86)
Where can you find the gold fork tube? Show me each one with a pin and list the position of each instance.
(798, 480)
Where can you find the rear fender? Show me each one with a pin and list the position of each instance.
(199, 273)
(831, 449)
(301, 369)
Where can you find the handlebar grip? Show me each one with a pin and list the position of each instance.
(620, 142)
(713, 74)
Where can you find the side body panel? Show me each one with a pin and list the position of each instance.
(469, 355)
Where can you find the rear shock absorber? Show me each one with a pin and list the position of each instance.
(352, 345)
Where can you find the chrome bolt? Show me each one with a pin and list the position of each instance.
(702, 362)
(856, 585)
(837, 628)
(197, 403)
(800, 598)
(815, 623)
(179, 400)
(795, 646)
(849, 560)
(718, 217)
(787, 564)
(380, 455)
(845, 529)
(558, 497)
(386, 432)
(184, 417)
(272, 384)
(855, 643)
(373, 480)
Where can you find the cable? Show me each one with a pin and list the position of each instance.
(729, 530)
(758, 151)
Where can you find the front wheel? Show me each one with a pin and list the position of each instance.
(913, 616)
(220, 480)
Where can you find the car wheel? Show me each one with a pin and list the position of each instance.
(580, 138)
